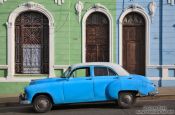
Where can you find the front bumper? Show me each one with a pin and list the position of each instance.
(153, 93)
(22, 99)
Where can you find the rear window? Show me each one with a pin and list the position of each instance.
(103, 71)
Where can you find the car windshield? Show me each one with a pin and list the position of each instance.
(66, 73)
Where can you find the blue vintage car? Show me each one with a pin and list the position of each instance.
(88, 82)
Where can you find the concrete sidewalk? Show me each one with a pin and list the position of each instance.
(165, 93)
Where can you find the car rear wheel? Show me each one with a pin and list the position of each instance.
(42, 103)
(126, 99)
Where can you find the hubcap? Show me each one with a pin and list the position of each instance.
(42, 104)
(127, 99)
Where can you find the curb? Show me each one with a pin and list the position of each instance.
(9, 104)
(158, 97)
(9, 101)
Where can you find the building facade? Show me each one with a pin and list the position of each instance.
(145, 38)
(43, 37)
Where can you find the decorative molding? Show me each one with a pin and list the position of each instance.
(171, 2)
(79, 7)
(164, 70)
(153, 66)
(64, 67)
(134, 6)
(161, 66)
(61, 66)
(20, 79)
(29, 6)
(3, 66)
(97, 8)
(133, 19)
(154, 78)
(152, 9)
(28, 79)
(161, 78)
(24, 79)
(138, 9)
(59, 2)
(98, 5)
(2, 1)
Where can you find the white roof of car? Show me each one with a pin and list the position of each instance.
(117, 68)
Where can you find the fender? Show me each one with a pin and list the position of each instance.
(113, 88)
(55, 93)
(123, 84)
(146, 88)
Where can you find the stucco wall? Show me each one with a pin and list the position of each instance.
(68, 31)
(154, 35)
(161, 67)
(168, 50)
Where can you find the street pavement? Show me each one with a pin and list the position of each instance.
(163, 103)
(142, 107)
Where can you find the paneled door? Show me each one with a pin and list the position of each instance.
(97, 38)
(134, 43)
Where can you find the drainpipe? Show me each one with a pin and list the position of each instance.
(161, 41)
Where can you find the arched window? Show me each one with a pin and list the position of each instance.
(31, 43)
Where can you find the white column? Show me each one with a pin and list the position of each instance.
(51, 50)
(172, 2)
(11, 50)
(164, 73)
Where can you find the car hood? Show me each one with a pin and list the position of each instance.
(46, 80)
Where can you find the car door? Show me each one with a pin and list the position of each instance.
(79, 87)
(103, 76)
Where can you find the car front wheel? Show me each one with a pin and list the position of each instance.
(126, 99)
(42, 103)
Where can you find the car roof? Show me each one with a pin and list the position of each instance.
(117, 68)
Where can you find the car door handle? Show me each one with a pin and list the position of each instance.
(89, 79)
(130, 78)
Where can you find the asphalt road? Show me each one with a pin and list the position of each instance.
(144, 107)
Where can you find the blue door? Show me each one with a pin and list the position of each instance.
(79, 87)
(103, 76)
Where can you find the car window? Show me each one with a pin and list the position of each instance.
(111, 72)
(81, 72)
(100, 71)
(103, 71)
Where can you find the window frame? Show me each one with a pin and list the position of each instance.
(108, 68)
(80, 68)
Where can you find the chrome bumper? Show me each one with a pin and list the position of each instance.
(22, 100)
(153, 93)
